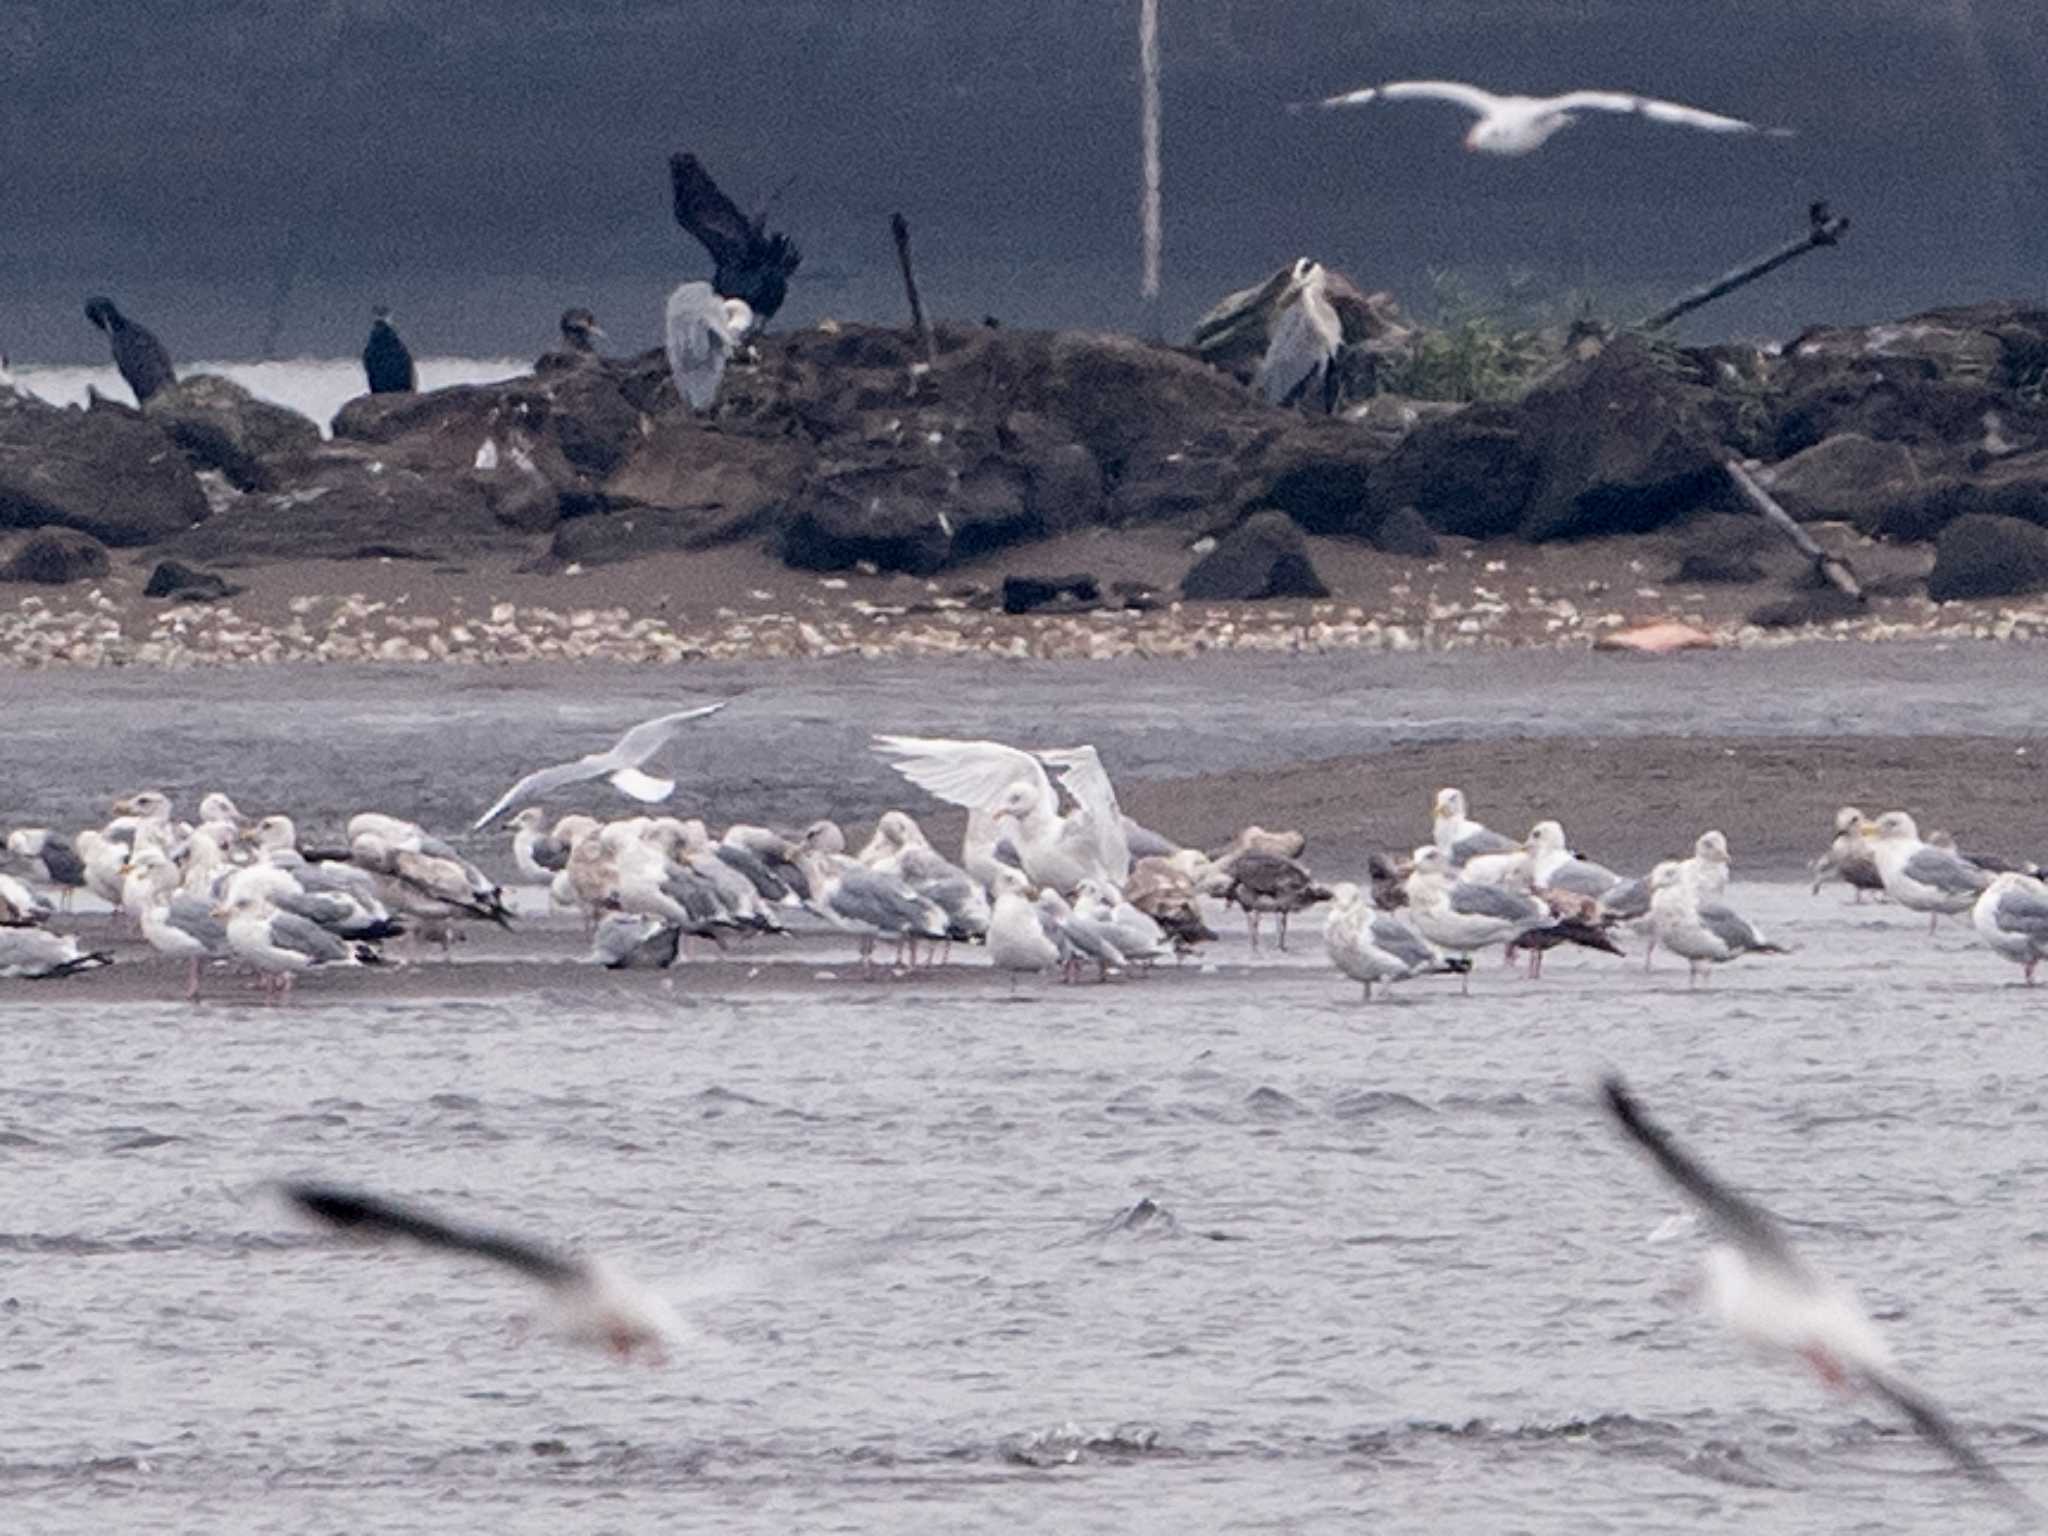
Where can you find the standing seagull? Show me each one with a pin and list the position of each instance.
(2012, 917)
(1918, 875)
(593, 1303)
(1302, 353)
(703, 331)
(1515, 125)
(386, 361)
(1775, 1301)
(620, 765)
(143, 362)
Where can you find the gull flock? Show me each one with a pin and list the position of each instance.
(1052, 878)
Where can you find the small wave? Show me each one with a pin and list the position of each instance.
(715, 1101)
(455, 1101)
(1366, 1103)
(1147, 1218)
(136, 1138)
(1065, 1444)
(1272, 1104)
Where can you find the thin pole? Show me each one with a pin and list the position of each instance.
(900, 228)
(1834, 570)
(1148, 86)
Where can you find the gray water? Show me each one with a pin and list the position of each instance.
(1409, 1283)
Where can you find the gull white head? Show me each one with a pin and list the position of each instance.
(1547, 837)
(529, 820)
(1712, 847)
(1891, 826)
(1449, 805)
(1848, 819)
(739, 316)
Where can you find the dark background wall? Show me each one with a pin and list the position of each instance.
(251, 175)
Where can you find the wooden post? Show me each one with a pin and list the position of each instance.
(1825, 229)
(900, 228)
(1834, 571)
(1149, 213)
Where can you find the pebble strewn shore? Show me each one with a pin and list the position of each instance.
(98, 629)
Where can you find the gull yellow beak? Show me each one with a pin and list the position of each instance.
(1867, 828)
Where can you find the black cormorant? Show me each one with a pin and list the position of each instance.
(752, 264)
(580, 330)
(385, 358)
(143, 362)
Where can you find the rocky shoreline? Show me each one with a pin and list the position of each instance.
(849, 498)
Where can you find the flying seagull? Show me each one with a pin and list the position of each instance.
(593, 1303)
(621, 765)
(1515, 125)
(1773, 1299)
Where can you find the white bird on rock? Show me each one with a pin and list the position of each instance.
(1516, 125)
(1305, 338)
(703, 332)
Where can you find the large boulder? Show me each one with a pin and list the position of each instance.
(2010, 487)
(107, 473)
(353, 504)
(220, 425)
(1321, 477)
(723, 480)
(1622, 444)
(890, 516)
(1469, 474)
(1264, 556)
(1847, 476)
(1979, 555)
(1928, 380)
(55, 557)
(181, 583)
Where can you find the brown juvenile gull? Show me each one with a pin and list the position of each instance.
(1776, 1302)
(590, 1302)
(1265, 882)
(1850, 858)
(619, 765)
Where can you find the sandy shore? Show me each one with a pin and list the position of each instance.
(739, 604)
(1634, 755)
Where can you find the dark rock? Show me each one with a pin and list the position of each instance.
(1322, 478)
(1137, 596)
(184, 584)
(1822, 605)
(1022, 594)
(56, 557)
(1622, 445)
(627, 533)
(2010, 487)
(220, 425)
(1265, 556)
(1404, 531)
(892, 517)
(108, 473)
(1847, 476)
(1722, 548)
(1468, 474)
(352, 504)
(1979, 555)
(576, 422)
(1062, 482)
(729, 486)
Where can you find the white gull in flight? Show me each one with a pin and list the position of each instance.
(1775, 1301)
(1515, 125)
(620, 765)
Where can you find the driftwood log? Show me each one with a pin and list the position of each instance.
(1833, 569)
(1823, 228)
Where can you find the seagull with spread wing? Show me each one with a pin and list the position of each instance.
(620, 766)
(1516, 125)
(592, 1302)
(1774, 1300)
(1008, 795)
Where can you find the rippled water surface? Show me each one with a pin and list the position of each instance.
(1405, 1281)
(1407, 1277)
